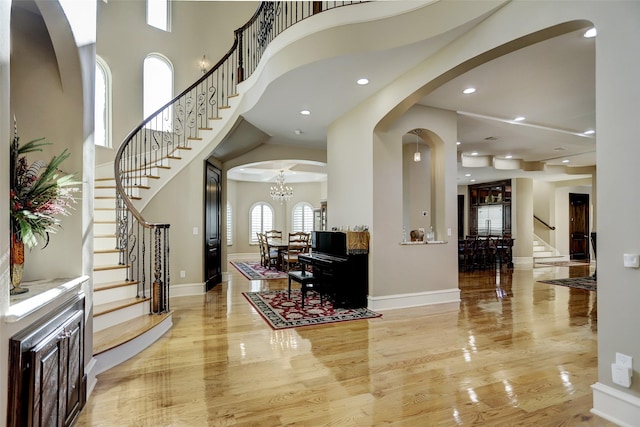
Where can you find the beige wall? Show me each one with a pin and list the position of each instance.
(616, 98)
(42, 97)
(193, 35)
(247, 194)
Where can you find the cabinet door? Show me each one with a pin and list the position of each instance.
(57, 375)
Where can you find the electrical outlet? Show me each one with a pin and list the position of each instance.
(624, 360)
(621, 375)
(183, 274)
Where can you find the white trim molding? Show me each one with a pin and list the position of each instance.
(391, 302)
(616, 406)
(187, 289)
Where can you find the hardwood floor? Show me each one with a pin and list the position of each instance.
(512, 353)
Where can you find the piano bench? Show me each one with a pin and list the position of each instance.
(305, 279)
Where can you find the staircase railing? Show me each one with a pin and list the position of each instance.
(544, 223)
(144, 246)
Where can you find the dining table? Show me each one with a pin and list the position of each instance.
(280, 245)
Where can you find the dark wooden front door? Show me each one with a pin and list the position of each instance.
(212, 227)
(579, 226)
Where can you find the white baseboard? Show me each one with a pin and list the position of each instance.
(616, 406)
(523, 260)
(391, 302)
(90, 371)
(187, 289)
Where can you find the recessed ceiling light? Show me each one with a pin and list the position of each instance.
(519, 119)
(305, 112)
(472, 180)
(475, 153)
(363, 81)
(565, 161)
(469, 90)
(508, 156)
(458, 143)
(467, 174)
(297, 132)
(589, 132)
(591, 32)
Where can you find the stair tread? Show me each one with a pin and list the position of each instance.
(108, 267)
(111, 285)
(122, 333)
(109, 307)
(105, 251)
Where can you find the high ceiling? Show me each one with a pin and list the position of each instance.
(551, 84)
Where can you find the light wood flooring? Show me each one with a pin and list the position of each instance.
(513, 353)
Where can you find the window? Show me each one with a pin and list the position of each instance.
(261, 220)
(102, 123)
(158, 89)
(229, 225)
(159, 14)
(302, 217)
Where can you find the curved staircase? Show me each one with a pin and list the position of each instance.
(122, 323)
(131, 268)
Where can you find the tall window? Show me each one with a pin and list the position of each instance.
(102, 123)
(302, 217)
(261, 220)
(229, 225)
(158, 89)
(159, 14)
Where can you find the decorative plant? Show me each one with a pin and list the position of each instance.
(39, 192)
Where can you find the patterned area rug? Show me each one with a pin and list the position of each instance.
(281, 312)
(252, 270)
(588, 283)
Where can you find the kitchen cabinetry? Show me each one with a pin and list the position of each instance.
(490, 209)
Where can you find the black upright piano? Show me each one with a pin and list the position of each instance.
(342, 271)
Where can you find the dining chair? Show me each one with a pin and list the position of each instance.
(298, 243)
(263, 249)
(273, 234)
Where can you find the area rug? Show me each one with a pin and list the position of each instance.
(587, 283)
(281, 312)
(253, 270)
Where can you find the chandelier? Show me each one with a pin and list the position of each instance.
(280, 191)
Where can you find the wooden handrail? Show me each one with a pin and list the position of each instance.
(544, 223)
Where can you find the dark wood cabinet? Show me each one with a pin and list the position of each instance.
(47, 385)
(490, 209)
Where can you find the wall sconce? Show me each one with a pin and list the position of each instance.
(203, 64)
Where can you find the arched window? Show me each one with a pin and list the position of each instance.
(102, 123)
(302, 217)
(260, 220)
(229, 225)
(158, 89)
(159, 14)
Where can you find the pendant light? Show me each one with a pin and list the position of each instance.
(416, 155)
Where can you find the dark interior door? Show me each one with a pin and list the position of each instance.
(579, 226)
(212, 226)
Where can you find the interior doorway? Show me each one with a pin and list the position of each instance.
(212, 227)
(579, 226)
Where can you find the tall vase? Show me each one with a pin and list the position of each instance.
(16, 260)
